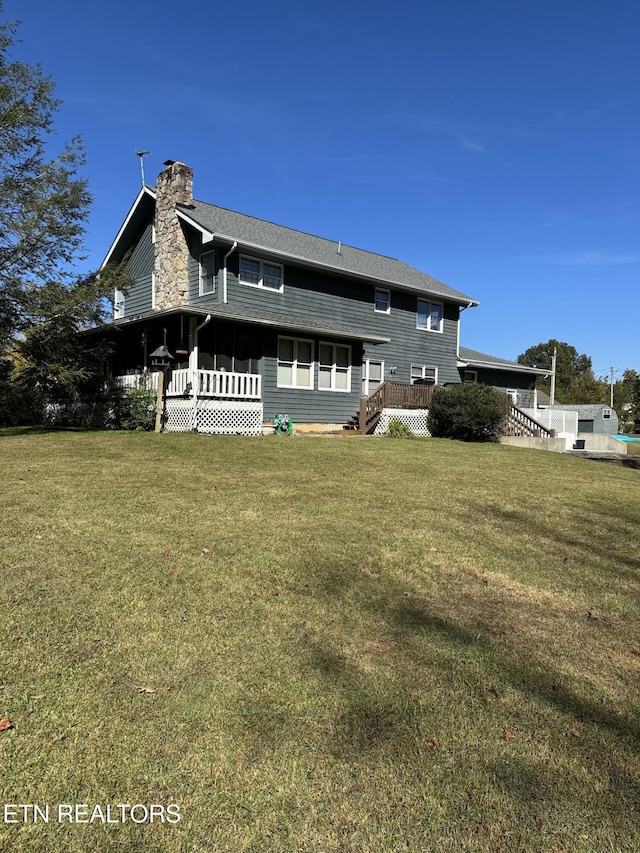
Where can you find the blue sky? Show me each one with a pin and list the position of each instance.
(492, 145)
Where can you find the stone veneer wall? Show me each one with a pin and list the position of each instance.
(171, 264)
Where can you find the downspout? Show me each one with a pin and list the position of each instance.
(224, 271)
(462, 308)
(194, 372)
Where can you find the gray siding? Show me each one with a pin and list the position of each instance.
(308, 406)
(197, 249)
(308, 293)
(140, 265)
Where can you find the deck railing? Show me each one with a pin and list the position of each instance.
(392, 395)
(520, 423)
(220, 384)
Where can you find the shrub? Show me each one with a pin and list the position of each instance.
(136, 409)
(397, 429)
(468, 412)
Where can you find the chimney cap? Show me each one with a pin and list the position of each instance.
(168, 163)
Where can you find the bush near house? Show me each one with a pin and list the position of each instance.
(468, 412)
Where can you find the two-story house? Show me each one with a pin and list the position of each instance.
(263, 319)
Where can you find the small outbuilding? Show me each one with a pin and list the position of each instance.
(596, 418)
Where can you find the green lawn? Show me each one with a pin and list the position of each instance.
(314, 644)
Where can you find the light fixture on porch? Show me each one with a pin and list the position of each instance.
(182, 349)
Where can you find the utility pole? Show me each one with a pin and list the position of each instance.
(612, 372)
(553, 376)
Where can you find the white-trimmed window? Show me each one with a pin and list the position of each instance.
(469, 375)
(424, 374)
(334, 367)
(207, 273)
(257, 273)
(372, 375)
(382, 301)
(429, 315)
(295, 363)
(118, 305)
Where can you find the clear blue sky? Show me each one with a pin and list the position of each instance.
(493, 145)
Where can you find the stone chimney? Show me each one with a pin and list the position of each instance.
(171, 264)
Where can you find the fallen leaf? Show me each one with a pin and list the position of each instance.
(432, 743)
(39, 696)
(143, 689)
(5, 723)
(574, 732)
(174, 573)
(507, 735)
(579, 718)
(539, 822)
(206, 550)
(355, 789)
(165, 553)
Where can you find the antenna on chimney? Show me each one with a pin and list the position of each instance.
(142, 154)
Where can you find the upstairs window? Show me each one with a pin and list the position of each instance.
(422, 374)
(207, 273)
(429, 315)
(382, 301)
(334, 367)
(260, 274)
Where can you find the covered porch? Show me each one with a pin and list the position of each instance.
(189, 382)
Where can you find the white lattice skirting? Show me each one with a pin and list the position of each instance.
(215, 417)
(415, 419)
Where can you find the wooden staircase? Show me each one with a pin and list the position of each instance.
(519, 423)
(388, 395)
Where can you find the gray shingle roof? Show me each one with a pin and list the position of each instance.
(291, 322)
(586, 411)
(480, 358)
(317, 251)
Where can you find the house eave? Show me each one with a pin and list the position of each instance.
(287, 324)
(145, 192)
(504, 365)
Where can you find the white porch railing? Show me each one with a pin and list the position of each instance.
(220, 384)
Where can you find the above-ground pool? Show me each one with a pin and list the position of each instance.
(627, 437)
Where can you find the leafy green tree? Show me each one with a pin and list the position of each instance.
(468, 412)
(43, 202)
(58, 357)
(575, 380)
(626, 397)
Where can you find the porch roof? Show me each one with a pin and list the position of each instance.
(287, 322)
(472, 358)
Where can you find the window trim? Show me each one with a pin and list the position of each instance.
(294, 363)
(475, 376)
(335, 368)
(429, 303)
(201, 290)
(260, 283)
(387, 292)
(423, 368)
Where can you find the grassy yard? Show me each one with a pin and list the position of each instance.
(317, 644)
